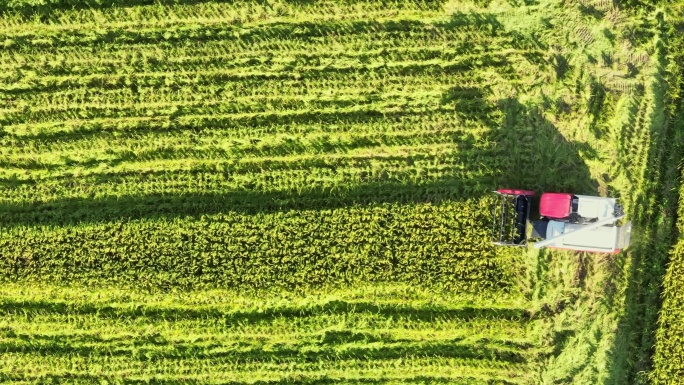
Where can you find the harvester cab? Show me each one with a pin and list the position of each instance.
(566, 221)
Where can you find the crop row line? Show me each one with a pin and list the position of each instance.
(237, 134)
(207, 15)
(398, 371)
(198, 77)
(56, 129)
(74, 56)
(316, 329)
(136, 52)
(303, 30)
(279, 146)
(173, 13)
(289, 353)
(330, 162)
(239, 105)
(185, 98)
(249, 193)
(403, 162)
(212, 60)
(339, 84)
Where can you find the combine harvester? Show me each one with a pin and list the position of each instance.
(565, 221)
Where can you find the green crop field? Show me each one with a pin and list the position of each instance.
(669, 364)
(299, 191)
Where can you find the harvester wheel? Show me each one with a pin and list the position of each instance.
(576, 218)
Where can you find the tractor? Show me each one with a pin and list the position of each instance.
(565, 221)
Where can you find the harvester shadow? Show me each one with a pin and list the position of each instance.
(533, 154)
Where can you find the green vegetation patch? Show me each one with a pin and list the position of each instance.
(378, 333)
(426, 244)
(668, 360)
(298, 191)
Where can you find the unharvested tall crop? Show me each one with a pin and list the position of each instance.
(444, 245)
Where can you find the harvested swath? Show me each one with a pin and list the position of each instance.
(381, 332)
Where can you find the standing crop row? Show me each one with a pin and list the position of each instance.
(432, 244)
